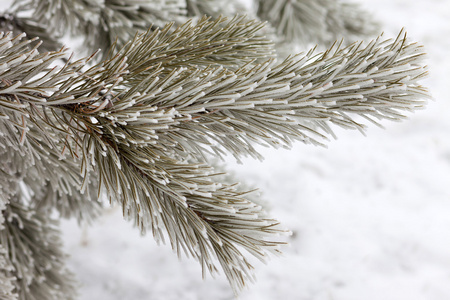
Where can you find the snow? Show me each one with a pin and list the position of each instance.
(369, 215)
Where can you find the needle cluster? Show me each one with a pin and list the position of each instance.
(140, 125)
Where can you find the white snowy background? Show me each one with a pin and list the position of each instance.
(370, 215)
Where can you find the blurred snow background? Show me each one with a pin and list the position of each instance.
(370, 215)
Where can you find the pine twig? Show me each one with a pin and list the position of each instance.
(144, 120)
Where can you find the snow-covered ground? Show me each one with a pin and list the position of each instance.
(370, 215)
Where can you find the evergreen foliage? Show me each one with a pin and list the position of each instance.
(32, 242)
(316, 21)
(141, 123)
(6, 277)
(6, 268)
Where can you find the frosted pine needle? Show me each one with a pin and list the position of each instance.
(142, 124)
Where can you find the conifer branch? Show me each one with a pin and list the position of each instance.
(269, 103)
(33, 141)
(144, 120)
(102, 22)
(316, 21)
(229, 43)
(200, 217)
(7, 278)
(214, 8)
(33, 247)
(55, 183)
(18, 25)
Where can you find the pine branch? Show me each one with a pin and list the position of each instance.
(102, 23)
(229, 43)
(292, 98)
(222, 202)
(316, 21)
(348, 20)
(121, 20)
(214, 8)
(6, 269)
(6, 279)
(144, 120)
(203, 218)
(32, 143)
(55, 183)
(34, 250)
(269, 103)
(10, 22)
